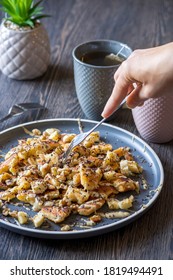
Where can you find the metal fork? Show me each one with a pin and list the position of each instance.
(82, 136)
(18, 109)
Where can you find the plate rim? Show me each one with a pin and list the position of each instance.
(91, 231)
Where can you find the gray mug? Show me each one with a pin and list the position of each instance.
(94, 78)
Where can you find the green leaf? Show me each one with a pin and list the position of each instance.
(36, 11)
(42, 16)
(8, 6)
(36, 5)
(22, 12)
(28, 4)
(29, 22)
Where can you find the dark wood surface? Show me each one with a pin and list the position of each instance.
(140, 24)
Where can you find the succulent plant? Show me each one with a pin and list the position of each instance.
(22, 12)
(24, 42)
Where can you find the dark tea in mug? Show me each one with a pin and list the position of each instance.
(101, 58)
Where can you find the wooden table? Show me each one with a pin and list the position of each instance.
(140, 24)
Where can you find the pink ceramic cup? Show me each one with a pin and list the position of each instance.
(154, 120)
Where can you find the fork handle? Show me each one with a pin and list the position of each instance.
(104, 119)
(98, 124)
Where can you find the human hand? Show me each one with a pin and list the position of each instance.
(147, 73)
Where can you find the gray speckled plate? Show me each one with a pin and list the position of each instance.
(144, 155)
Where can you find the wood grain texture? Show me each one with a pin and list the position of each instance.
(140, 24)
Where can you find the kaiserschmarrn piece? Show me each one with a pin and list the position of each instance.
(94, 174)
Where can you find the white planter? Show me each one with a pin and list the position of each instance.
(24, 55)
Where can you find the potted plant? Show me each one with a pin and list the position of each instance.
(24, 42)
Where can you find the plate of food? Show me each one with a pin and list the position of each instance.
(108, 181)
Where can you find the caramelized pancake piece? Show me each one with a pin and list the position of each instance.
(10, 162)
(90, 177)
(55, 213)
(124, 184)
(120, 182)
(106, 190)
(130, 167)
(76, 195)
(124, 152)
(126, 203)
(90, 206)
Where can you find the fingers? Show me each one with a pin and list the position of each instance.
(128, 81)
(136, 97)
(119, 93)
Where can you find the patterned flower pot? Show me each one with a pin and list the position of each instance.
(24, 54)
(154, 119)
